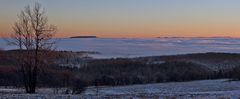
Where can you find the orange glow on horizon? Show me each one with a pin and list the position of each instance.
(128, 19)
(132, 35)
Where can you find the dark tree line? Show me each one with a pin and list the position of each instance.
(115, 72)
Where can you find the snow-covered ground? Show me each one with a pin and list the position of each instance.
(203, 89)
(145, 47)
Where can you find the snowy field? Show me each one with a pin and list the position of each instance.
(145, 47)
(203, 89)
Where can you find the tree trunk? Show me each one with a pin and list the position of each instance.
(24, 79)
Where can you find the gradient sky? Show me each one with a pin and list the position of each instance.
(133, 18)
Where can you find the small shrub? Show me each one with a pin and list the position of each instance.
(78, 86)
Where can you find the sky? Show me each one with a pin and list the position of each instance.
(133, 18)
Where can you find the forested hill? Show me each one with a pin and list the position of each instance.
(68, 68)
(211, 60)
(214, 61)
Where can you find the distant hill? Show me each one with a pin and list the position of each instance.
(213, 61)
(83, 37)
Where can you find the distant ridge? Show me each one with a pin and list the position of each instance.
(199, 37)
(83, 37)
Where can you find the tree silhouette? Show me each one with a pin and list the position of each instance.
(33, 35)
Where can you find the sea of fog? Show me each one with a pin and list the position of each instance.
(108, 47)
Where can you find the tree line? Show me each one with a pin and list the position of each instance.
(116, 72)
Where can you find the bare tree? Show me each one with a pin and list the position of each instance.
(33, 35)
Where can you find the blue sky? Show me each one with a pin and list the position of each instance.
(133, 18)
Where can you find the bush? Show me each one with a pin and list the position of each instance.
(78, 86)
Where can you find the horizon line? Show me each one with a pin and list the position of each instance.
(157, 37)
